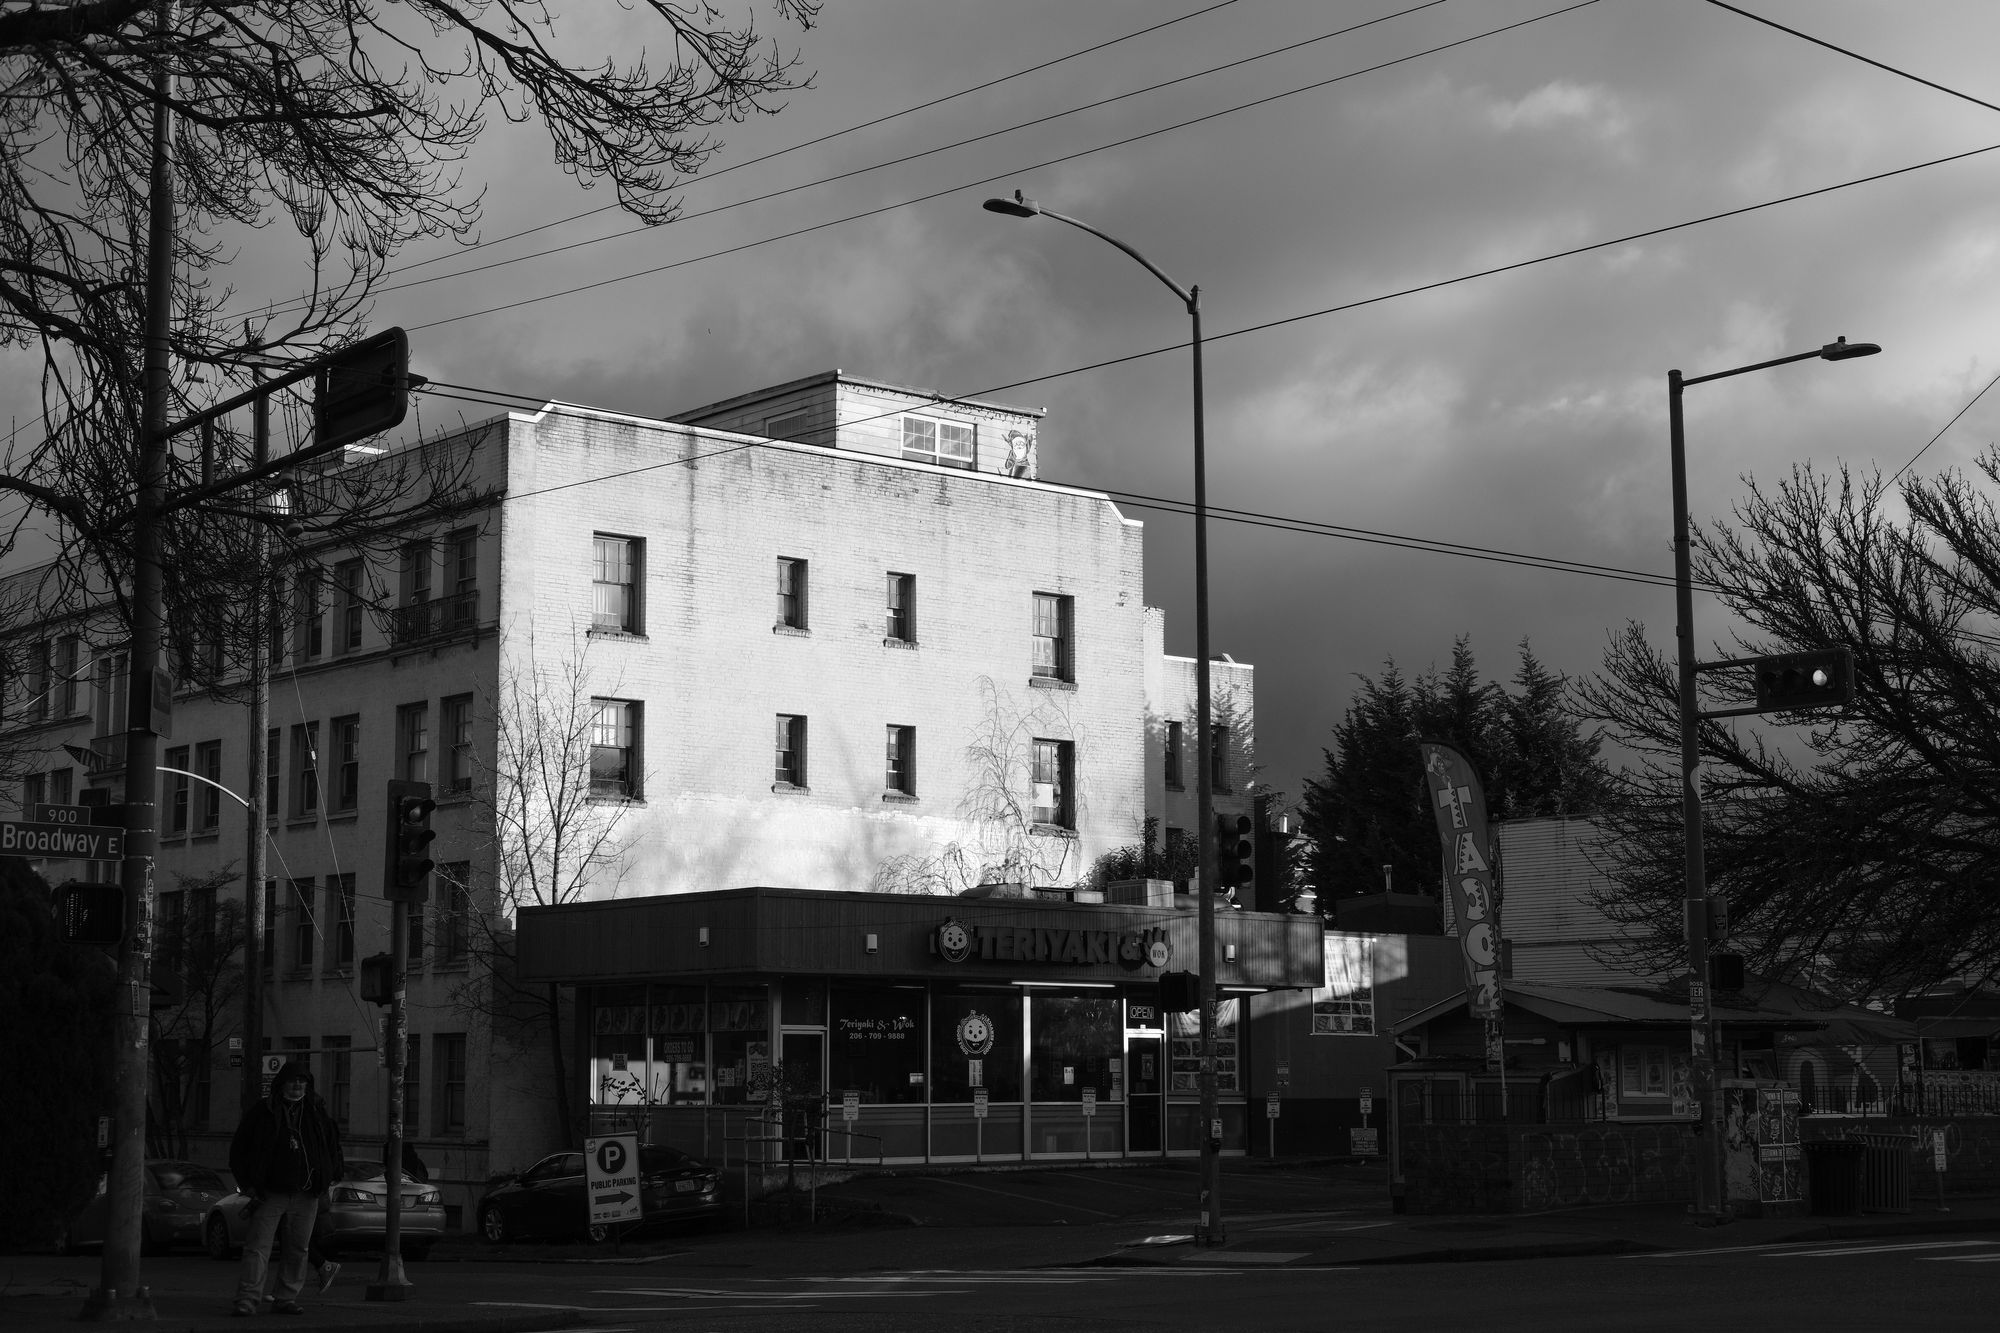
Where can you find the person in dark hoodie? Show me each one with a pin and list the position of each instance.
(286, 1153)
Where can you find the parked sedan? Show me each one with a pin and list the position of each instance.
(548, 1199)
(177, 1195)
(356, 1214)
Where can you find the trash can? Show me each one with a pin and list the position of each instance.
(1885, 1172)
(1833, 1176)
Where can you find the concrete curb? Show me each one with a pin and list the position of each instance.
(381, 1319)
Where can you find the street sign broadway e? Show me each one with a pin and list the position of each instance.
(611, 1178)
(89, 842)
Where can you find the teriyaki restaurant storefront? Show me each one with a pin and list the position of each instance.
(931, 1029)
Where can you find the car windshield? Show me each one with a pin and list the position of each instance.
(188, 1175)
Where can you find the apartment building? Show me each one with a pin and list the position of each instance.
(833, 635)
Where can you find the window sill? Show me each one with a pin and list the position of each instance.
(792, 631)
(1052, 831)
(899, 798)
(456, 796)
(613, 798)
(606, 632)
(344, 817)
(1050, 683)
(1177, 786)
(790, 789)
(208, 835)
(173, 839)
(450, 965)
(907, 645)
(301, 821)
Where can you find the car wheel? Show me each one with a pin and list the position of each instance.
(215, 1238)
(148, 1243)
(493, 1225)
(596, 1233)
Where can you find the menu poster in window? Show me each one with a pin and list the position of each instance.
(1629, 1075)
(1345, 1005)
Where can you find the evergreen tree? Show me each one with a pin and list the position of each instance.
(1370, 809)
(55, 1051)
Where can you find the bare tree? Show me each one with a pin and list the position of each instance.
(1859, 848)
(333, 130)
(1007, 845)
(554, 815)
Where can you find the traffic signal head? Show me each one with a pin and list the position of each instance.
(1235, 852)
(407, 865)
(1180, 992)
(1789, 682)
(378, 978)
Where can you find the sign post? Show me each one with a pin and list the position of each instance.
(1937, 1166)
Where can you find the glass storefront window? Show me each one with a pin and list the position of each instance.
(1184, 1049)
(1077, 1042)
(678, 1020)
(618, 1046)
(876, 1045)
(739, 1024)
(975, 1042)
(803, 1002)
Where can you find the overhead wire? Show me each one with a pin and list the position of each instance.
(851, 129)
(910, 157)
(1000, 176)
(1913, 78)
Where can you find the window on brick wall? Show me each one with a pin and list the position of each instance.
(337, 1069)
(1054, 650)
(347, 600)
(309, 630)
(340, 903)
(614, 748)
(345, 796)
(305, 770)
(900, 777)
(273, 770)
(305, 928)
(177, 791)
(455, 716)
(790, 767)
(616, 566)
(902, 621)
(792, 608)
(208, 800)
(448, 1105)
(1054, 780)
(1176, 756)
(413, 742)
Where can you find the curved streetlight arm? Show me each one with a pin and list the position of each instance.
(1190, 296)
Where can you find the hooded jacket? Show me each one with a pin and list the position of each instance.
(258, 1153)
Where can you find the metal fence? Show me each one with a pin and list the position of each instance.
(1525, 1104)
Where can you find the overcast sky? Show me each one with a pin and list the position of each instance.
(1524, 412)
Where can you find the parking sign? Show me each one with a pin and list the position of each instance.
(611, 1178)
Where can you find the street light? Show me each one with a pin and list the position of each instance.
(1020, 206)
(1709, 1200)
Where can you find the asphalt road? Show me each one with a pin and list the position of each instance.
(880, 1281)
(1939, 1283)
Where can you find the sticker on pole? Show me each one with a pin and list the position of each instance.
(611, 1178)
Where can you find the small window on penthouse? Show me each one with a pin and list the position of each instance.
(938, 440)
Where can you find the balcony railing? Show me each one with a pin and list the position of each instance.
(435, 619)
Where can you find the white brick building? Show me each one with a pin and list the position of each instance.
(875, 652)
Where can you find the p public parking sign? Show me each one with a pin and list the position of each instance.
(611, 1178)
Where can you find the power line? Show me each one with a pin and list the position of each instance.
(1947, 426)
(891, 162)
(1855, 55)
(851, 129)
(1005, 175)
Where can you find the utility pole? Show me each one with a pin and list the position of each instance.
(118, 1294)
(257, 947)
